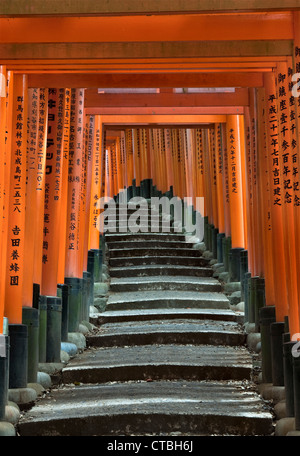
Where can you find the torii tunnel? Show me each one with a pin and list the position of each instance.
(195, 99)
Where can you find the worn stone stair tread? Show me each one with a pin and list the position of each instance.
(168, 331)
(149, 243)
(158, 259)
(173, 354)
(155, 252)
(143, 407)
(162, 269)
(188, 283)
(167, 298)
(113, 237)
(151, 314)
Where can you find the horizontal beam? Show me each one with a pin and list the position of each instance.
(145, 50)
(161, 120)
(207, 110)
(129, 80)
(272, 26)
(176, 126)
(20, 8)
(95, 99)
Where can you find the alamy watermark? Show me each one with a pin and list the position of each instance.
(296, 346)
(296, 86)
(162, 214)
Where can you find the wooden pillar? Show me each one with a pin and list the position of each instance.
(294, 65)
(95, 183)
(226, 182)
(265, 196)
(169, 159)
(73, 266)
(207, 177)
(52, 203)
(234, 139)
(290, 188)
(16, 206)
(219, 178)
(129, 156)
(64, 188)
(276, 193)
(3, 85)
(31, 228)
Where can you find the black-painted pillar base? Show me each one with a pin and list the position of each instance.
(54, 311)
(235, 264)
(30, 318)
(87, 297)
(206, 231)
(247, 281)
(18, 356)
(226, 243)
(277, 331)
(63, 293)
(42, 328)
(243, 271)
(214, 243)
(296, 379)
(288, 377)
(4, 372)
(75, 302)
(267, 317)
(220, 237)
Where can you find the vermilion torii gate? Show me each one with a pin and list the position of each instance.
(97, 98)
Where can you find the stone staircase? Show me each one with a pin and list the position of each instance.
(168, 356)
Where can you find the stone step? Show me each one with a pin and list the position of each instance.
(167, 314)
(159, 259)
(165, 270)
(195, 408)
(156, 252)
(121, 237)
(187, 283)
(159, 362)
(167, 299)
(150, 244)
(178, 331)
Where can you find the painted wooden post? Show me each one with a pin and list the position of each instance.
(219, 177)
(129, 160)
(276, 188)
(290, 189)
(176, 163)
(169, 161)
(234, 139)
(64, 187)
(136, 142)
(31, 227)
(295, 138)
(207, 183)
(3, 83)
(226, 183)
(18, 368)
(220, 191)
(200, 169)
(97, 177)
(16, 218)
(73, 265)
(52, 204)
(264, 195)
(249, 187)
(213, 167)
(7, 173)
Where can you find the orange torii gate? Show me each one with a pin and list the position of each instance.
(244, 164)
